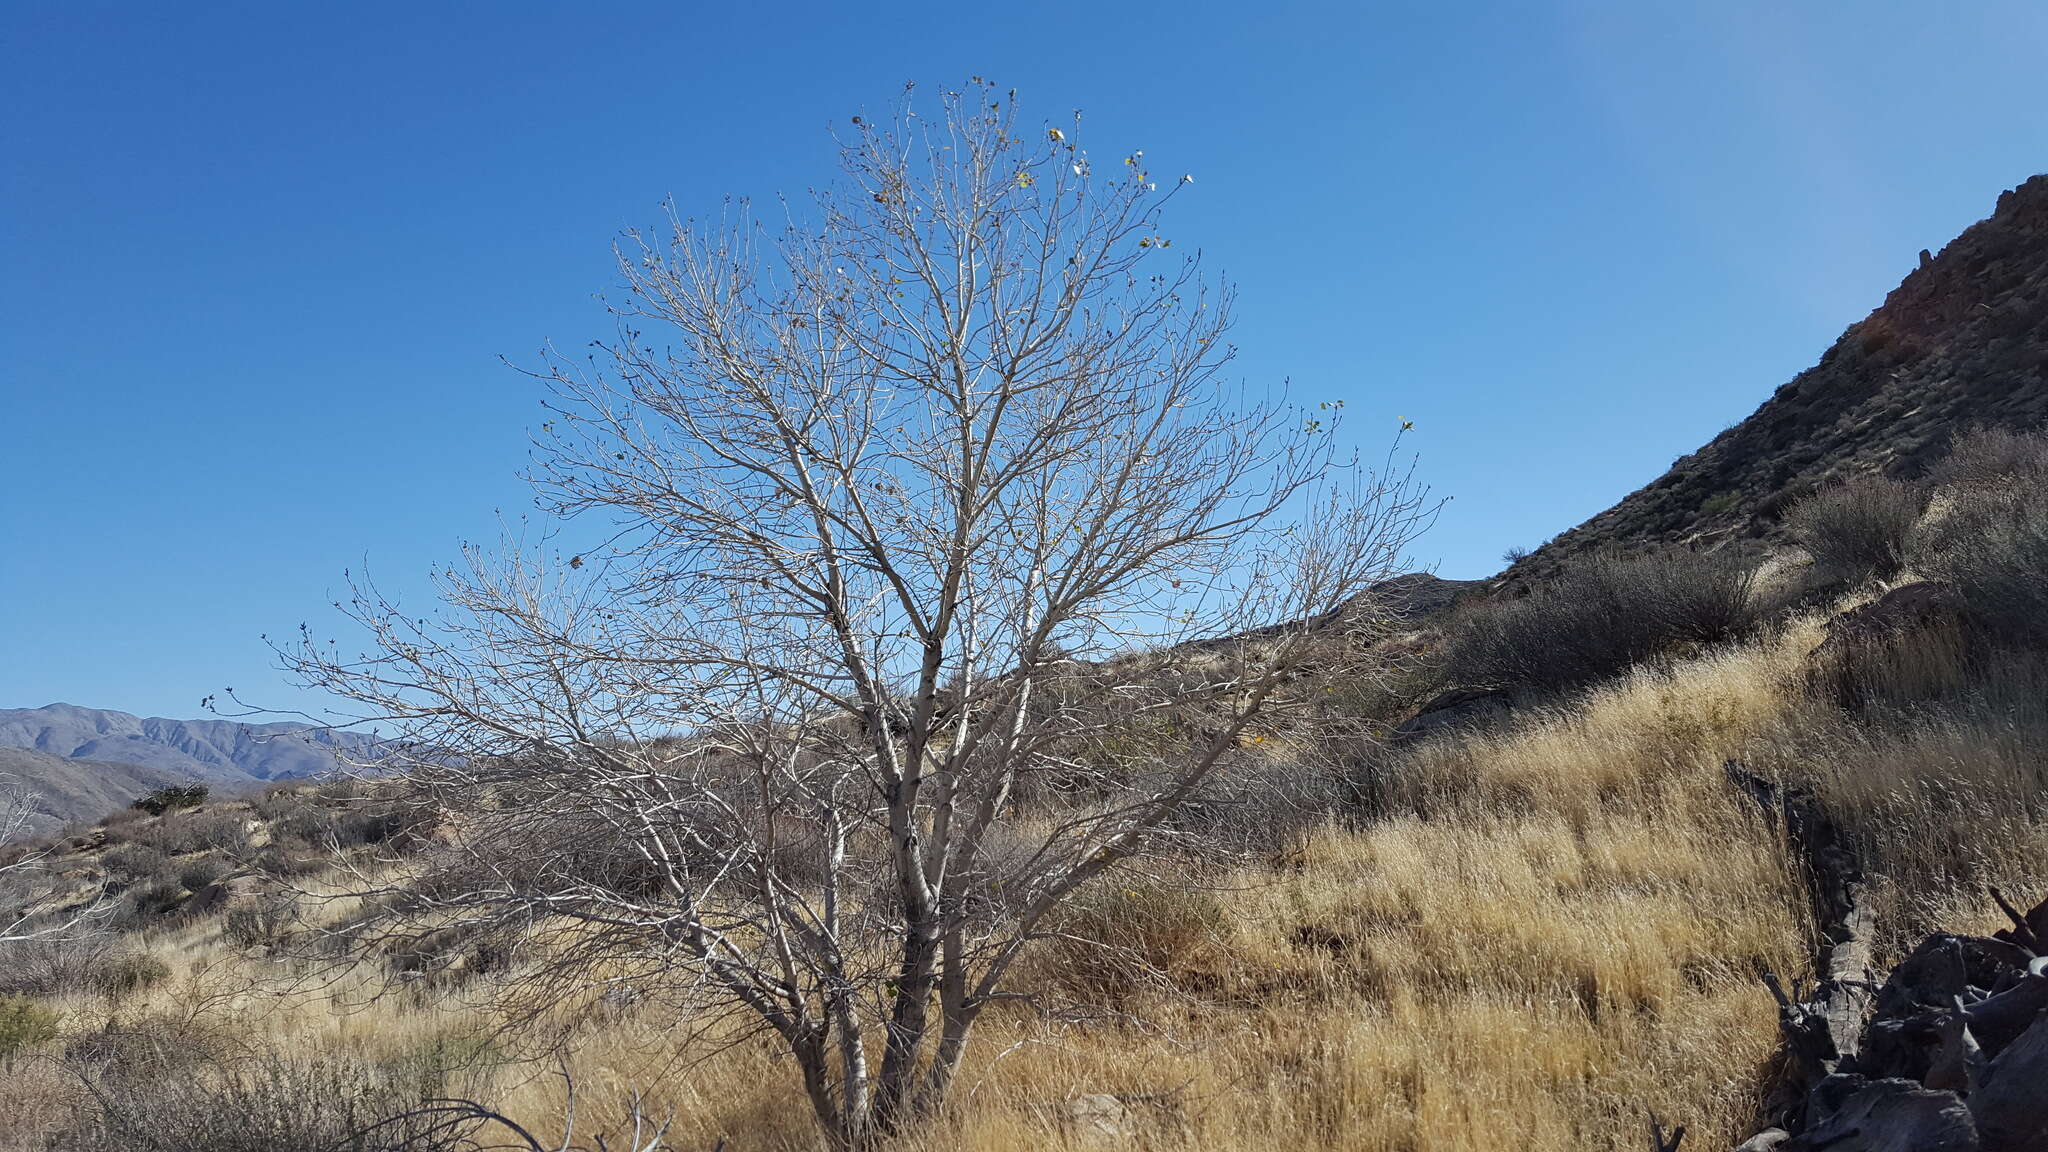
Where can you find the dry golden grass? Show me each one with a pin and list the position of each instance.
(1562, 928)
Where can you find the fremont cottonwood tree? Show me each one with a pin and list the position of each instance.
(25, 882)
(913, 504)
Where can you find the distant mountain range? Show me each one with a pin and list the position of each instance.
(82, 762)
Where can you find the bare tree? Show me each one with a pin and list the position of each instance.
(944, 571)
(25, 881)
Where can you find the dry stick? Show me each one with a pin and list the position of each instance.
(1661, 1143)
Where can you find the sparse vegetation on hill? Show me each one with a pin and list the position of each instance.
(1958, 345)
(1543, 927)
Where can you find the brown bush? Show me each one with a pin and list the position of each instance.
(1939, 799)
(199, 873)
(183, 832)
(1600, 616)
(1992, 545)
(266, 922)
(89, 963)
(267, 1101)
(1858, 529)
(147, 904)
(1991, 456)
(1130, 932)
(135, 862)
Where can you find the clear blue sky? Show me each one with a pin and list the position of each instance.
(260, 260)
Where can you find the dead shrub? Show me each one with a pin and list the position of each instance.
(266, 922)
(150, 1099)
(1992, 545)
(1257, 807)
(1601, 616)
(1938, 660)
(1940, 797)
(1128, 933)
(1858, 529)
(284, 861)
(183, 833)
(122, 973)
(148, 904)
(90, 963)
(304, 823)
(202, 872)
(120, 817)
(135, 863)
(1990, 456)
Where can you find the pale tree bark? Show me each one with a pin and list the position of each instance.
(915, 504)
(26, 884)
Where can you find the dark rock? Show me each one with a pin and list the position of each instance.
(2000, 1019)
(1942, 967)
(2011, 1103)
(1460, 709)
(1897, 615)
(1889, 1116)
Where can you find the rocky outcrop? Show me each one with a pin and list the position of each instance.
(1897, 616)
(1457, 710)
(1953, 1056)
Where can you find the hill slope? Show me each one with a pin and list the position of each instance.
(1962, 342)
(67, 790)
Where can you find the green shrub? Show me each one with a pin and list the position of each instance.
(1858, 530)
(176, 796)
(24, 1023)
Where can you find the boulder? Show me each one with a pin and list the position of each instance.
(1900, 613)
(1459, 709)
(2011, 1101)
(1858, 1115)
(1098, 1120)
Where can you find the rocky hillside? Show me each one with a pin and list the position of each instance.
(1962, 342)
